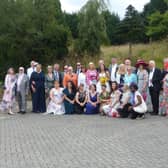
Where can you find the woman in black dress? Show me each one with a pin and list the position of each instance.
(37, 87)
(81, 100)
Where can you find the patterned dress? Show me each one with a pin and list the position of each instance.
(9, 92)
(55, 105)
(103, 96)
(163, 110)
(91, 77)
(143, 81)
(115, 103)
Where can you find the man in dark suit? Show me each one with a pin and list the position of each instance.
(57, 74)
(155, 77)
(78, 68)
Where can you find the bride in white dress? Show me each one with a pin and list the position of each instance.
(56, 105)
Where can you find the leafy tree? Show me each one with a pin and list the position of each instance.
(71, 21)
(155, 5)
(131, 29)
(92, 29)
(111, 20)
(158, 25)
(31, 29)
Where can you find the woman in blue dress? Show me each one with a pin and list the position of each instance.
(130, 77)
(37, 87)
(92, 106)
(69, 97)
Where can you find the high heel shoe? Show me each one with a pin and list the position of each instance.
(10, 113)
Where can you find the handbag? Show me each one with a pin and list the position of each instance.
(144, 95)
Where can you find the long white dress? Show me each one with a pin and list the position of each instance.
(55, 106)
(103, 80)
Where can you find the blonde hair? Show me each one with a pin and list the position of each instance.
(91, 64)
(121, 69)
(49, 67)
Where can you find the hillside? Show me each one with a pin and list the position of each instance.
(156, 50)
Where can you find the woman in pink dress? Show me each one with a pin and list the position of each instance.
(9, 92)
(91, 75)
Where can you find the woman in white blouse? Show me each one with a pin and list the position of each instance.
(82, 77)
(138, 106)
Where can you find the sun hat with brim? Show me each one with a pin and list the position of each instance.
(141, 62)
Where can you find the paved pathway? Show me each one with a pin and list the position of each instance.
(37, 141)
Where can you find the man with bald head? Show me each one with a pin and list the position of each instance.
(155, 77)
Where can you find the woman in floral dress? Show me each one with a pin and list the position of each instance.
(9, 92)
(111, 109)
(56, 105)
(164, 98)
(142, 75)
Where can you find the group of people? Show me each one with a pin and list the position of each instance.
(121, 90)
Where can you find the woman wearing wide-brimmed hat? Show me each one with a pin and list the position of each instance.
(142, 75)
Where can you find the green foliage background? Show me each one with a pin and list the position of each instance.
(40, 30)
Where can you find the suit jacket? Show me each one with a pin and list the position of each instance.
(76, 71)
(156, 80)
(24, 84)
(60, 78)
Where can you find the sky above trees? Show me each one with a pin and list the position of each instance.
(117, 6)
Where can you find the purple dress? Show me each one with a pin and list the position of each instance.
(90, 109)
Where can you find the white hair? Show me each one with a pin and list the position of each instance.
(152, 62)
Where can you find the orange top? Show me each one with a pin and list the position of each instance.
(73, 77)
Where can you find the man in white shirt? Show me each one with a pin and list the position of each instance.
(113, 68)
(32, 68)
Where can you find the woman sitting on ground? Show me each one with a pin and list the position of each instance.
(137, 106)
(56, 105)
(92, 106)
(81, 99)
(104, 99)
(125, 98)
(111, 108)
(69, 97)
